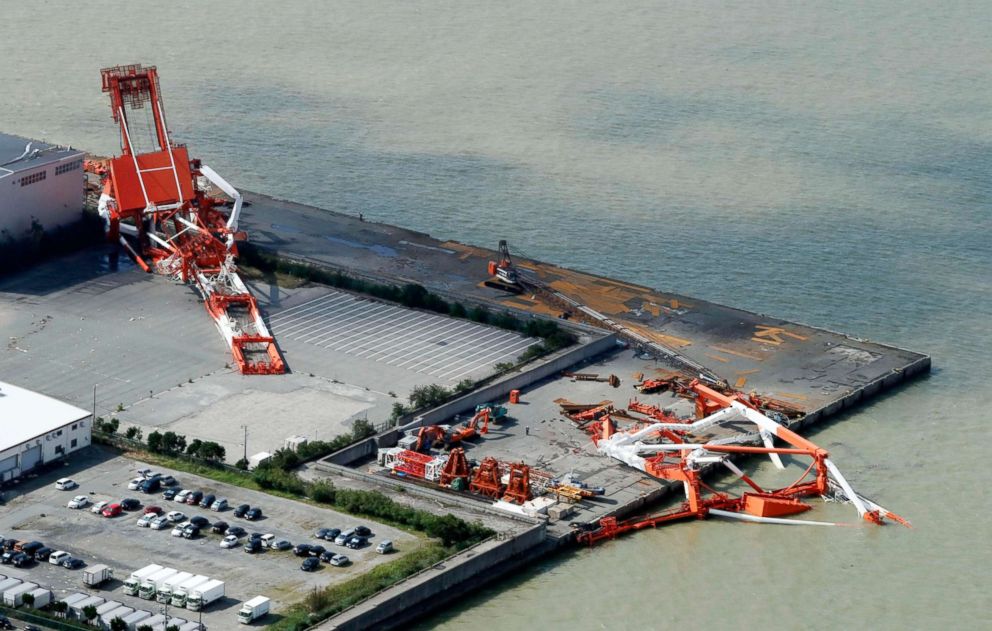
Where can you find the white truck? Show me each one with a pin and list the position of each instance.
(164, 593)
(13, 597)
(253, 609)
(42, 597)
(151, 584)
(202, 595)
(97, 574)
(133, 582)
(181, 592)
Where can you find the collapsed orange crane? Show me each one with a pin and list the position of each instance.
(153, 206)
(760, 505)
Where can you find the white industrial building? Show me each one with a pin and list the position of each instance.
(38, 181)
(36, 430)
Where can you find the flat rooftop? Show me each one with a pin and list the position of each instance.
(34, 152)
(25, 414)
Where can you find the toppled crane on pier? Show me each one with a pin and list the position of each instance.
(152, 204)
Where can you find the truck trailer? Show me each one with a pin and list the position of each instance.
(42, 597)
(181, 592)
(97, 574)
(152, 583)
(133, 582)
(14, 596)
(202, 595)
(165, 592)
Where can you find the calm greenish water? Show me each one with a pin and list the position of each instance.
(825, 162)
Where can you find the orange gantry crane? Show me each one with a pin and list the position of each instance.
(487, 479)
(153, 206)
(681, 461)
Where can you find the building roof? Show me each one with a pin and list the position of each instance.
(39, 153)
(25, 415)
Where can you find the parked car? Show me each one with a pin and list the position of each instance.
(182, 495)
(321, 533)
(194, 498)
(31, 547)
(154, 510)
(73, 563)
(191, 531)
(177, 531)
(168, 480)
(153, 475)
(170, 494)
(160, 523)
(311, 564)
(99, 506)
(20, 559)
(302, 549)
(252, 546)
(385, 547)
(9, 544)
(142, 472)
(7, 556)
(112, 510)
(5, 622)
(229, 541)
(58, 556)
(65, 484)
(80, 501)
(237, 531)
(332, 534)
(134, 484)
(253, 514)
(43, 553)
(327, 555)
(342, 539)
(363, 531)
(146, 520)
(219, 505)
(130, 503)
(150, 486)
(282, 544)
(219, 527)
(199, 521)
(176, 516)
(339, 559)
(241, 510)
(268, 538)
(357, 542)
(208, 500)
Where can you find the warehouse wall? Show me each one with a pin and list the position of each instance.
(54, 445)
(53, 194)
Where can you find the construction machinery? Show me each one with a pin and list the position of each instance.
(455, 473)
(471, 429)
(673, 458)
(504, 275)
(153, 206)
(518, 484)
(487, 479)
(428, 436)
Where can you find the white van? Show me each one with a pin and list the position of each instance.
(343, 538)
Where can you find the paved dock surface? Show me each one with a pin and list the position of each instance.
(808, 367)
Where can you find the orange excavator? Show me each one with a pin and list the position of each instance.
(427, 437)
(470, 429)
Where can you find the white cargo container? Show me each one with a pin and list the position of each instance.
(42, 597)
(13, 596)
(181, 592)
(110, 605)
(165, 592)
(72, 599)
(253, 609)
(97, 574)
(173, 622)
(152, 583)
(133, 582)
(8, 583)
(157, 619)
(202, 595)
(121, 612)
(91, 601)
(190, 626)
(133, 620)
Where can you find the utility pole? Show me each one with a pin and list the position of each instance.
(93, 420)
(245, 427)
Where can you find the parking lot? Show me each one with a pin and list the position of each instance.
(447, 349)
(35, 510)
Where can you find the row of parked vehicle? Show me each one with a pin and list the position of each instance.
(24, 553)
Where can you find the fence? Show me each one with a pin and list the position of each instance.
(45, 621)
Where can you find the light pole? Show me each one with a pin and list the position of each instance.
(245, 427)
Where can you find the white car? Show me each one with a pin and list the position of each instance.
(176, 516)
(58, 556)
(80, 501)
(229, 541)
(146, 520)
(134, 484)
(159, 523)
(99, 506)
(181, 496)
(65, 484)
(268, 539)
(152, 474)
(178, 530)
(143, 472)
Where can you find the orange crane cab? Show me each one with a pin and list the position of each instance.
(504, 273)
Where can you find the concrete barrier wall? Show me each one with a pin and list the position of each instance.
(461, 573)
(501, 389)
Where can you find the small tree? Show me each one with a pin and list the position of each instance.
(194, 447)
(172, 627)
(362, 428)
(28, 600)
(133, 433)
(118, 624)
(242, 464)
(145, 627)
(89, 613)
(60, 607)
